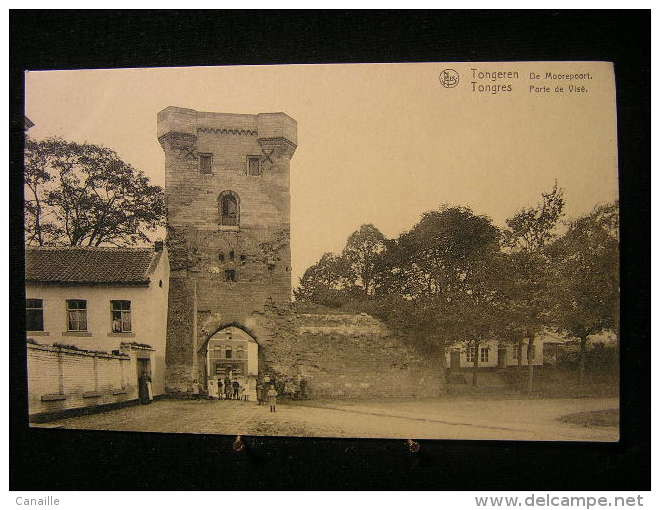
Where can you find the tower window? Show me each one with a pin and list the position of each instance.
(229, 208)
(205, 163)
(230, 275)
(253, 165)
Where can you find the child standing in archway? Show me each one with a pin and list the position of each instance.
(272, 398)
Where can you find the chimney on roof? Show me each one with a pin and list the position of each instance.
(158, 246)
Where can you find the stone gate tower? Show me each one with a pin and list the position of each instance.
(228, 207)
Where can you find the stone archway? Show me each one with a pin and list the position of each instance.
(227, 349)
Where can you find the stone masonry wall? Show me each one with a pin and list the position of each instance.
(201, 249)
(180, 326)
(347, 356)
(258, 249)
(340, 356)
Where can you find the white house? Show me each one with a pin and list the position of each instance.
(96, 320)
(493, 354)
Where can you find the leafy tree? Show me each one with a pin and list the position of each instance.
(482, 305)
(586, 288)
(361, 255)
(39, 224)
(439, 279)
(328, 282)
(337, 279)
(85, 195)
(528, 235)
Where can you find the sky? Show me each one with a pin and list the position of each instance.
(377, 143)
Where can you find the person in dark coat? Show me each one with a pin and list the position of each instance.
(144, 389)
(228, 388)
(236, 386)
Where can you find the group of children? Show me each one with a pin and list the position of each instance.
(232, 389)
(229, 389)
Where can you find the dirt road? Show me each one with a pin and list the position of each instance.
(517, 419)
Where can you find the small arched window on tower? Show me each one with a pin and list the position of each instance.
(229, 208)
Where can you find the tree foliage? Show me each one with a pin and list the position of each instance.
(586, 283)
(328, 282)
(451, 274)
(455, 278)
(529, 299)
(361, 255)
(85, 195)
(336, 279)
(531, 228)
(436, 283)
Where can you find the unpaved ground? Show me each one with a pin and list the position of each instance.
(517, 419)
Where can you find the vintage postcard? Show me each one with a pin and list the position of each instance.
(352, 250)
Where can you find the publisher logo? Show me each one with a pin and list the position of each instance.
(448, 78)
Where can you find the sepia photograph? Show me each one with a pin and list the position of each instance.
(411, 251)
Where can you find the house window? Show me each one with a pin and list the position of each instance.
(240, 353)
(470, 354)
(483, 357)
(229, 208)
(121, 316)
(254, 165)
(228, 353)
(34, 315)
(533, 353)
(206, 163)
(76, 314)
(230, 275)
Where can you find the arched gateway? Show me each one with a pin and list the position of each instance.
(233, 354)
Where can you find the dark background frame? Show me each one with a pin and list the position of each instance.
(50, 459)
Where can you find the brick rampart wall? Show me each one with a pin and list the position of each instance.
(60, 379)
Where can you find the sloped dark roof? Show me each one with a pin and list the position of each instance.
(80, 265)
